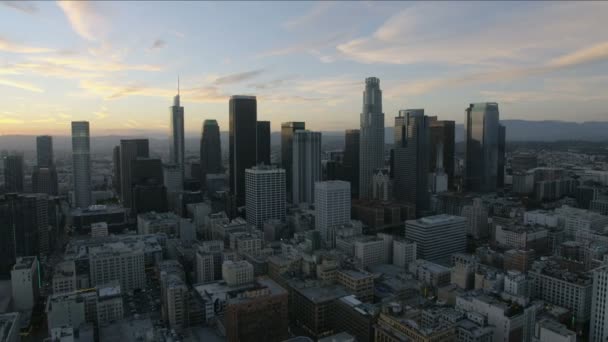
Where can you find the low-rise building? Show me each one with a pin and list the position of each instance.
(10, 327)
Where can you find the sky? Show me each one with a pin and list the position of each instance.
(116, 64)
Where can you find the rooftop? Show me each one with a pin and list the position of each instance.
(24, 263)
(437, 220)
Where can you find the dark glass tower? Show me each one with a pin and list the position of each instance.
(242, 141)
(13, 173)
(130, 149)
(148, 190)
(211, 151)
(442, 133)
(351, 160)
(176, 135)
(44, 151)
(81, 169)
(116, 169)
(44, 176)
(263, 142)
(287, 131)
(483, 139)
(411, 158)
(371, 148)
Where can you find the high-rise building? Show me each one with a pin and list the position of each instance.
(306, 166)
(351, 160)
(116, 169)
(438, 178)
(243, 142)
(411, 158)
(442, 134)
(265, 191)
(332, 206)
(147, 188)
(372, 136)
(130, 149)
(25, 281)
(437, 237)
(44, 151)
(177, 148)
(13, 173)
(81, 169)
(211, 151)
(263, 142)
(599, 306)
(484, 148)
(287, 131)
(477, 219)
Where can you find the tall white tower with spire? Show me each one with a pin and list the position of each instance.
(371, 145)
(176, 134)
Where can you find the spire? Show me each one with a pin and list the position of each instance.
(176, 98)
(177, 85)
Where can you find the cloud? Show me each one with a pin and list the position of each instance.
(84, 17)
(10, 121)
(21, 85)
(238, 77)
(94, 65)
(585, 55)
(311, 46)
(318, 10)
(8, 46)
(279, 82)
(23, 6)
(102, 113)
(158, 44)
(112, 91)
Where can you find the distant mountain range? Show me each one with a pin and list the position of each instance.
(517, 130)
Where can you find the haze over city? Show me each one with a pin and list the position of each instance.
(116, 64)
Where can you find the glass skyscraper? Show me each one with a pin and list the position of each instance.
(372, 136)
(287, 131)
(263, 142)
(211, 150)
(81, 157)
(176, 143)
(484, 148)
(242, 141)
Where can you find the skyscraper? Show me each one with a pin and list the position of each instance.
(437, 237)
(44, 151)
(81, 164)
(372, 136)
(483, 139)
(411, 158)
(130, 149)
(442, 132)
(116, 169)
(306, 167)
(351, 160)
(242, 141)
(287, 131)
(332, 206)
(263, 142)
(13, 173)
(176, 143)
(265, 194)
(211, 151)
(147, 189)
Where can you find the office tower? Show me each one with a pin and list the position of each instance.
(44, 151)
(599, 305)
(477, 219)
(287, 131)
(265, 191)
(263, 142)
(442, 133)
(13, 173)
(306, 166)
(81, 164)
(351, 160)
(502, 137)
(411, 158)
(25, 281)
(24, 227)
(176, 135)
(243, 142)
(118, 261)
(44, 180)
(437, 237)
(438, 178)
(211, 151)
(116, 179)
(484, 143)
(404, 252)
(332, 206)
(372, 136)
(130, 149)
(148, 190)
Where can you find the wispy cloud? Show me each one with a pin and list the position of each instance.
(85, 18)
(102, 113)
(9, 46)
(27, 7)
(585, 55)
(318, 10)
(10, 121)
(113, 91)
(278, 82)
(94, 65)
(21, 85)
(158, 44)
(238, 77)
